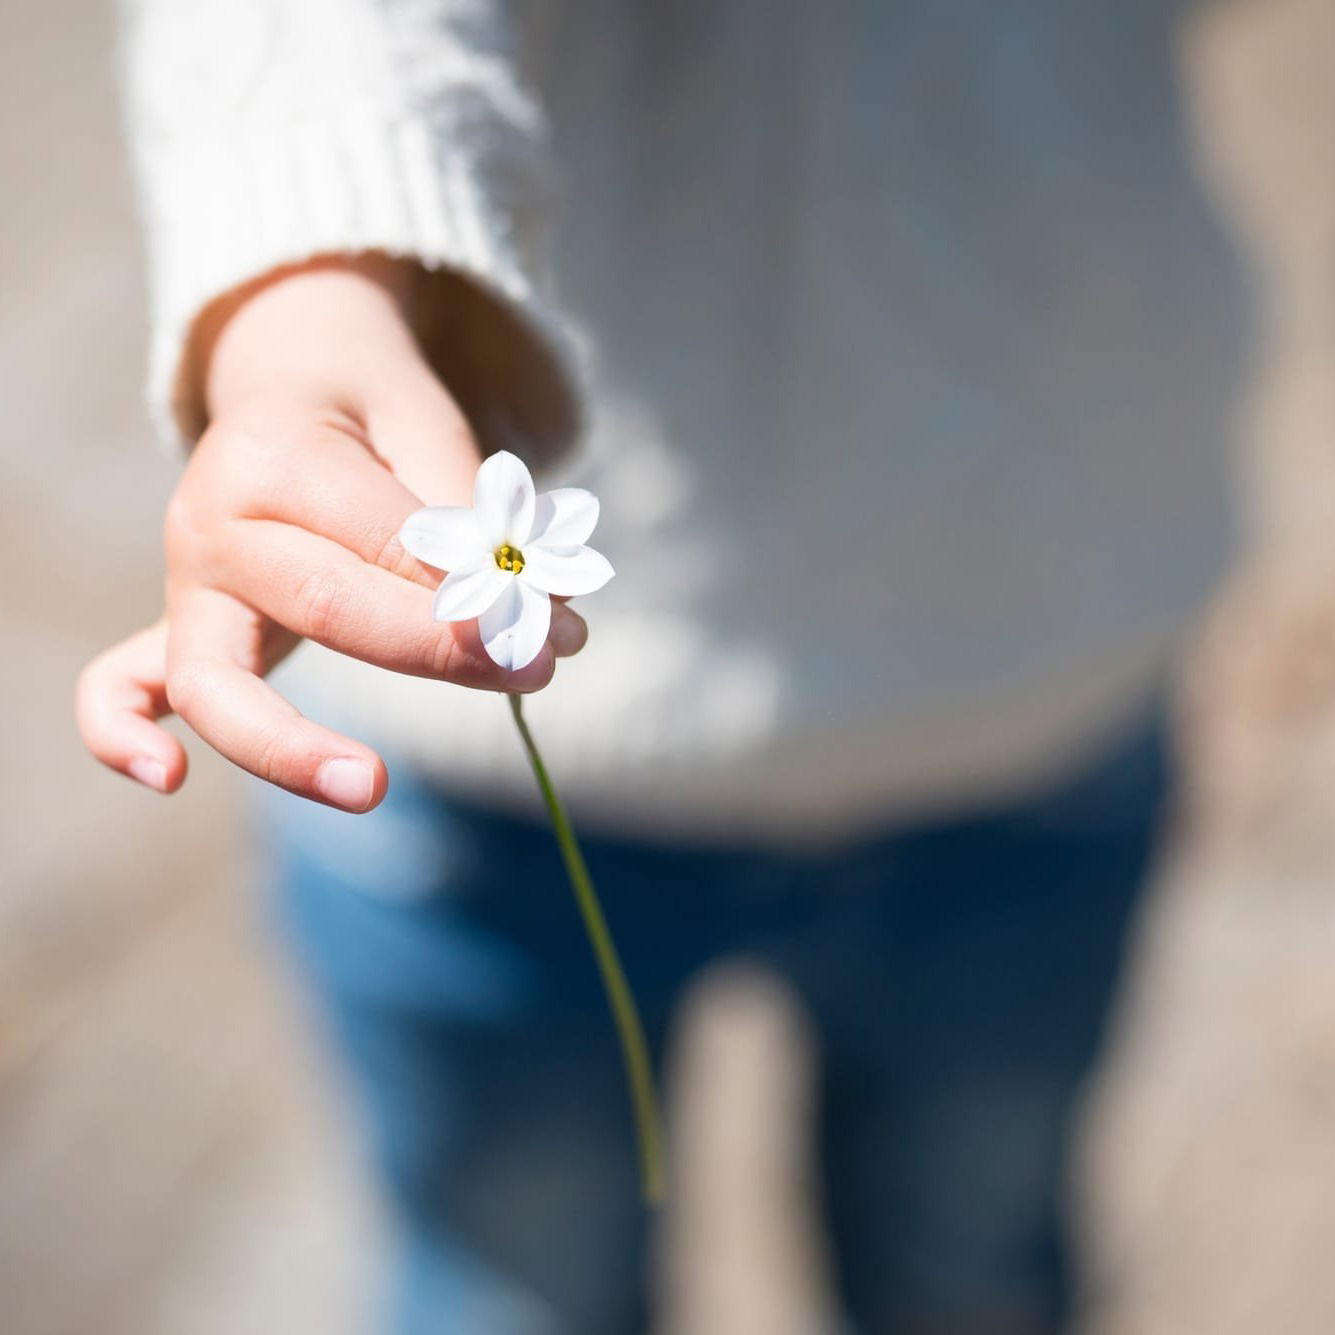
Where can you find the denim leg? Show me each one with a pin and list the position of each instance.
(960, 981)
(959, 976)
(451, 972)
(507, 1161)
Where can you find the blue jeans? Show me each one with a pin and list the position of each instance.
(958, 975)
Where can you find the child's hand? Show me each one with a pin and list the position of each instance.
(327, 430)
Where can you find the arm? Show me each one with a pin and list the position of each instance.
(267, 132)
(325, 417)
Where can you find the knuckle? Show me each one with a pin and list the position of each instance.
(538, 673)
(184, 523)
(269, 756)
(390, 554)
(238, 469)
(440, 652)
(323, 604)
(235, 447)
(272, 488)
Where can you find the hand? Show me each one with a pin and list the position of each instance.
(327, 430)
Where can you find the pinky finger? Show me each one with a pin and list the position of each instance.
(215, 689)
(119, 697)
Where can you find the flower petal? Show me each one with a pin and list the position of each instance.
(444, 536)
(503, 500)
(564, 517)
(566, 571)
(514, 628)
(470, 590)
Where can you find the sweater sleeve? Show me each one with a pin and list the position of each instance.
(268, 132)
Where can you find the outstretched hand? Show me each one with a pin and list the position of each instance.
(327, 430)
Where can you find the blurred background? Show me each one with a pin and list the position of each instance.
(172, 1159)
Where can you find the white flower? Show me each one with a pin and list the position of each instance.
(507, 554)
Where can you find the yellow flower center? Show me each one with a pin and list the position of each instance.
(509, 558)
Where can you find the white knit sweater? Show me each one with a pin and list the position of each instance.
(905, 352)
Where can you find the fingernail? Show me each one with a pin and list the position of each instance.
(151, 773)
(346, 783)
(568, 634)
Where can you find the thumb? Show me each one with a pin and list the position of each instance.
(422, 435)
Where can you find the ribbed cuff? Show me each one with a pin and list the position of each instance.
(242, 204)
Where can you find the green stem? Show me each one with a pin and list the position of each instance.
(634, 1050)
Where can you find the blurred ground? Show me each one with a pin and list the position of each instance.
(171, 1160)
